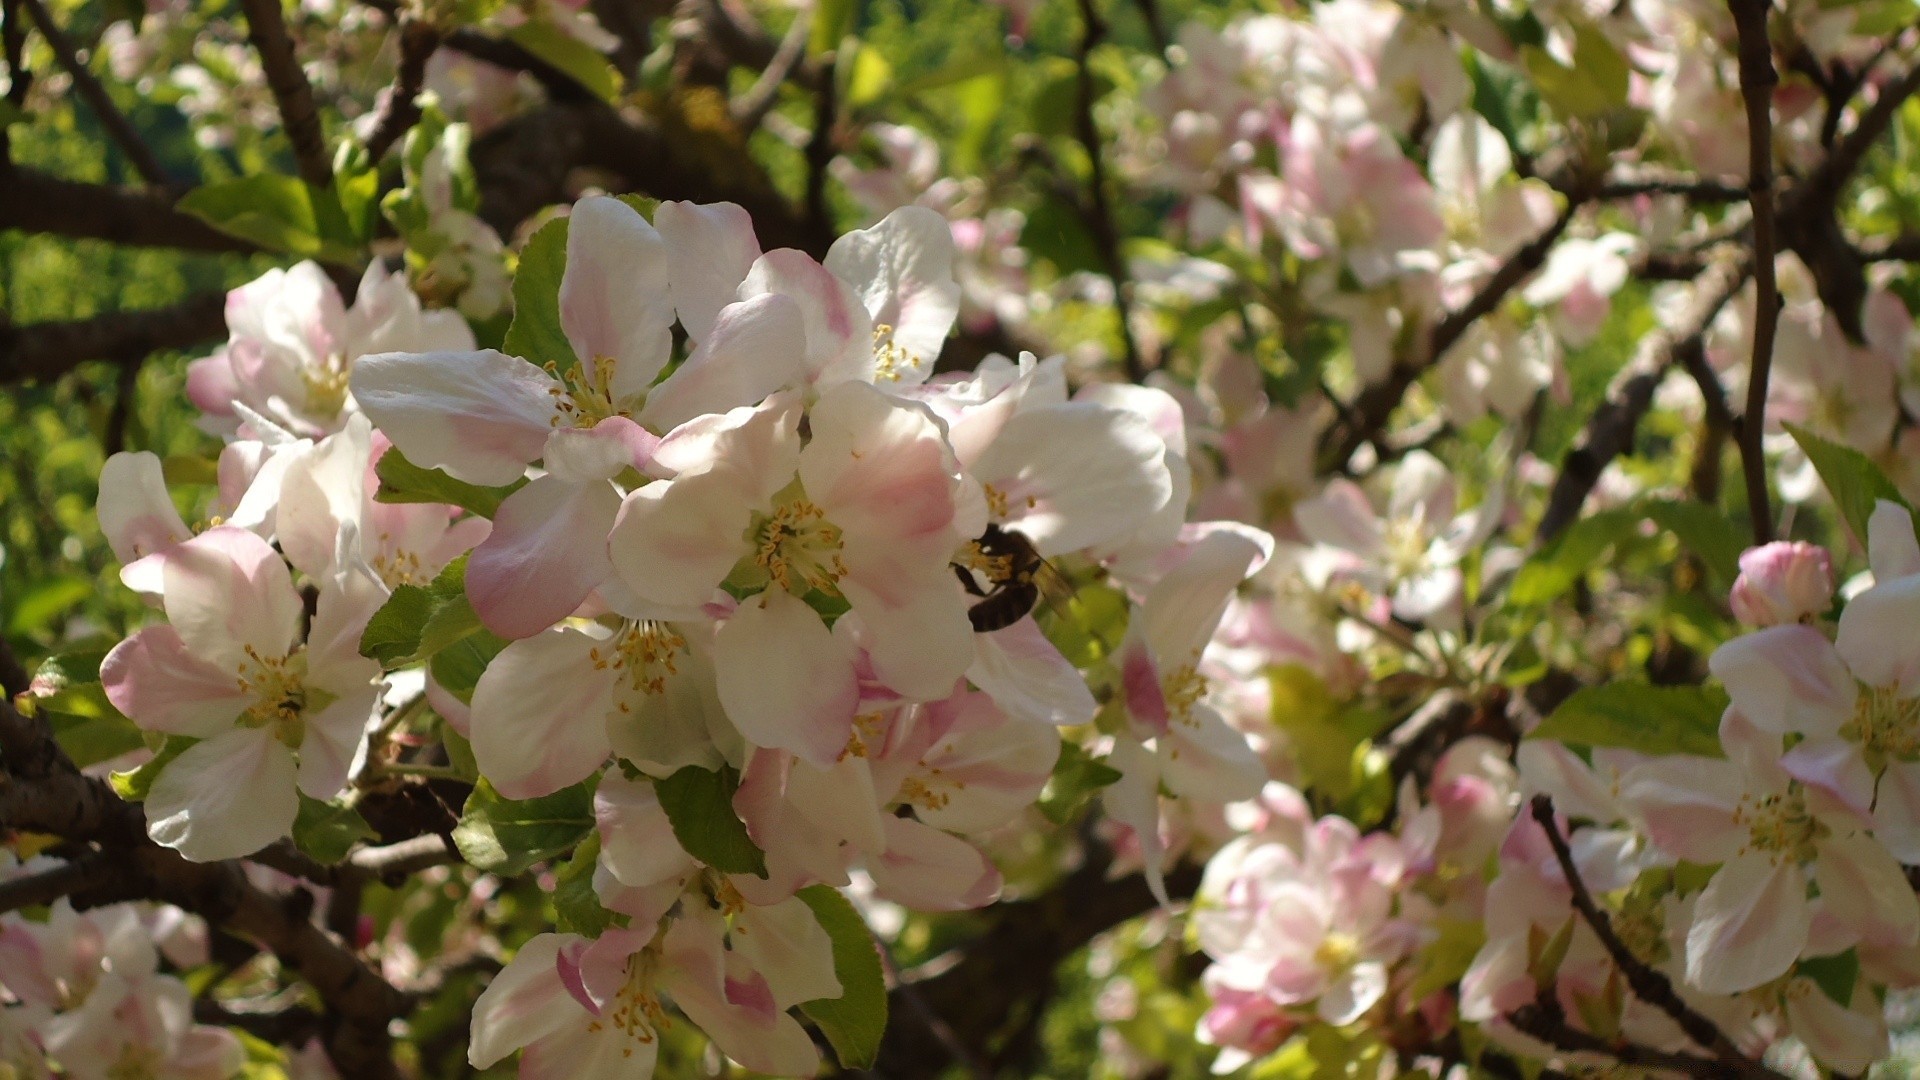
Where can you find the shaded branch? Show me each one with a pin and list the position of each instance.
(48, 350)
(1609, 432)
(267, 29)
(1098, 209)
(34, 890)
(34, 201)
(418, 42)
(95, 94)
(1757, 80)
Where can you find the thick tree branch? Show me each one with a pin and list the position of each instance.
(33, 201)
(87, 872)
(1611, 429)
(49, 350)
(1098, 208)
(95, 94)
(1757, 80)
(267, 29)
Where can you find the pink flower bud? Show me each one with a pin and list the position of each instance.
(1782, 582)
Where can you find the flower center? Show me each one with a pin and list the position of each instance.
(635, 1010)
(326, 386)
(399, 568)
(798, 548)
(135, 1063)
(280, 694)
(1337, 951)
(1404, 544)
(1183, 687)
(643, 654)
(1885, 725)
(1780, 825)
(584, 395)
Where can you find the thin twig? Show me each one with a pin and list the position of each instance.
(267, 29)
(752, 107)
(1647, 984)
(119, 128)
(819, 155)
(1757, 79)
(418, 42)
(1098, 210)
(1156, 25)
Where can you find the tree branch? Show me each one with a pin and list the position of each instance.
(1757, 80)
(1098, 210)
(34, 201)
(48, 350)
(267, 28)
(33, 890)
(118, 127)
(418, 42)
(1611, 429)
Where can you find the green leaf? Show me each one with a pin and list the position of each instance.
(401, 481)
(536, 335)
(1707, 532)
(1077, 777)
(418, 621)
(1553, 569)
(327, 832)
(502, 836)
(87, 726)
(1594, 84)
(458, 667)
(1640, 716)
(699, 806)
(1854, 481)
(832, 21)
(1088, 628)
(576, 907)
(854, 1021)
(575, 58)
(134, 784)
(1836, 974)
(36, 608)
(279, 213)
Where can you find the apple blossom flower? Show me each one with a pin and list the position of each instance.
(1783, 582)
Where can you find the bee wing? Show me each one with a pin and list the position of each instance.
(1055, 589)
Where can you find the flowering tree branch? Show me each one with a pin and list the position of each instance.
(1097, 207)
(418, 42)
(267, 27)
(1757, 80)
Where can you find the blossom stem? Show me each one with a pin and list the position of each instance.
(1757, 80)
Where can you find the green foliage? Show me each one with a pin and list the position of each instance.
(506, 837)
(1855, 482)
(326, 831)
(419, 621)
(279, 213)
(401, 481)
(133, 784)
(1637, 716)
(536, 334)
(576, 907)
(1836, 974)
(578, 60)
(1077, 777)
(699, 805)
(853, 1022)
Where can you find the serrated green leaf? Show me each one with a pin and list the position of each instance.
(401, 481)
(458, 667)
(1552, 570)
(1595, 83)
(87, 726)
(418, 621)
(504, 836)
(1077, 777)
(699, 805)
(279, 213)
(576, 907)
(578, 60)
(1854, 481)
(1640, 716)
(536, 335)
(855, 1021)
(133, 784)
(326, 832)
(1836, 974)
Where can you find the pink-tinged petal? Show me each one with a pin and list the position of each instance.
(636, 839)
(786, 682)
(226, 590)
(985, 770)
(841, 800)
(136, 514)
(839, 333)
(1146, 699)
(1183, 609)
(224, 798)
(1351, 993)
(1134, 801)
(758, 445)
(929, 870)
(755, 348)
(880, 470)
(730, 1002)
(1787, 678)
(1892, 551)
(1029, 678)
(1875, 637)
(320, 490)
(1896, 811)
(1687, 806)
(614, 303)
(1863, 887)
(712, 249)
(1748, 926)
(481, 416)
(601, 452)
(1834, 766)
(799, 852)
(1076, 475)
(523, 1003)
(346, 602)
(1846, 1040)
(921, 641)
(1341, 516)
(160, 686)
(211, 384)
(1551, 768)
(902, 270)
(674, 541)
(540, 713)
(547, 551)
(591, 1050)
(1205, 759)
(785, 943)
(335, 740)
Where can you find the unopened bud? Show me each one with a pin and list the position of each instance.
(1782, 582)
